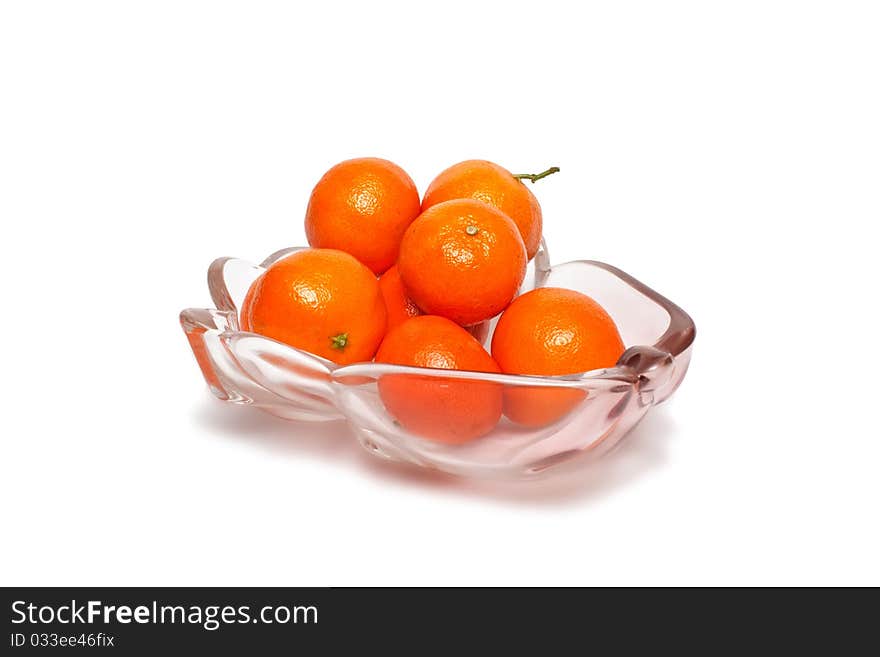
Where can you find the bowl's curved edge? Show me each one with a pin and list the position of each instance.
(213, 340)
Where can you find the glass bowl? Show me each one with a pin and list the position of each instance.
(591, 411)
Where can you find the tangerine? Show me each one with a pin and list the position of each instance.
(363, 206)
(462, 259)
(448, 410)
(321, 300)
(399, 306)
(493, 184)
(552, 331)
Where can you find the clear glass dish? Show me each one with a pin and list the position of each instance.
(603, 405)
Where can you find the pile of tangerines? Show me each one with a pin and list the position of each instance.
(411, 281)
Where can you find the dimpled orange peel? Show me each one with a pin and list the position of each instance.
(447, 410)
(321, 300)
(491, 183)
(552, 331)
(363, 206)
(463, 260)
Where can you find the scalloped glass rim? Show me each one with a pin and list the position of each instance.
(247, 368)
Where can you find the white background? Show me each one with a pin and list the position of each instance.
(728, 154)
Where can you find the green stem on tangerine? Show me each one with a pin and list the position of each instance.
(536, 176)
(339, 341)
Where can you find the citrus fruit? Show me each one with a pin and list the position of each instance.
(320, 300)
(399, 306)
(463, 260)
(363, 207)
(552, 331)
(448, 410)
(493, 184)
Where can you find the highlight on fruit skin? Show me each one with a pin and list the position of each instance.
(463, 260)
(491, 183)
(320, 300)
(447, 410)
(362, 206)
(552, 331)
